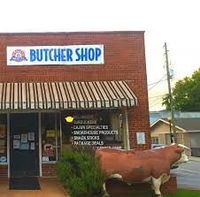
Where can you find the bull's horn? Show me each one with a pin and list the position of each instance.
(183, 146)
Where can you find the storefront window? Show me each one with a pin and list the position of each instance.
(93, 128)
(3, 138)
(50, 124)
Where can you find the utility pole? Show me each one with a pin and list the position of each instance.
(172, 125)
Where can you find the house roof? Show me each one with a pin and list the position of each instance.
(188, 124)
(165, 121)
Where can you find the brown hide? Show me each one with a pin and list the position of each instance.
(135, 166)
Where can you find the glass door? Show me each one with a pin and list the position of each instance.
(24, 146)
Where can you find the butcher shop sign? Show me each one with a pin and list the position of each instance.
(55, 55)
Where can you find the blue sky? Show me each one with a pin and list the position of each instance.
(173, 21)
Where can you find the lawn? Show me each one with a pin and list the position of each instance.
(184, 193)
(180, 193)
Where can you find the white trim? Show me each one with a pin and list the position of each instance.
(49, 162)
(154, 123)
(192, 131)
(8, 143)
(166, 122)
(61, 140)
(127, 130)
(56, 128)
(40, 143)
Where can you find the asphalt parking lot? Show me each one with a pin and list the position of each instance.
(188, 174)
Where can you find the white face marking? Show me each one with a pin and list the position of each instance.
(184, 158)
(156, 183)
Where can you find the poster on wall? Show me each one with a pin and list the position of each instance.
(140, 136)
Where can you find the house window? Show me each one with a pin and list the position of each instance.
(155, 140)
(3, 138)
(50, 137)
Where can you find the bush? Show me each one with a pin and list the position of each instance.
(80, 173)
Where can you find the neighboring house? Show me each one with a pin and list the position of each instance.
(187, 133)
(156, 115)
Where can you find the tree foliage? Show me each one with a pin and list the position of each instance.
(185, 94)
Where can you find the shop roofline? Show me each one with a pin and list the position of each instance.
(68, 33)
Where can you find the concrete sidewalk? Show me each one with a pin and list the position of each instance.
(50, 187)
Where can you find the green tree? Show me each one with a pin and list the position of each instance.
(186, 94)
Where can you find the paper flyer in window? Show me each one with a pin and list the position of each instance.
(17, 137)
(24, 146)
(45, 158)
(32, 146)
(16, 144)
(24, 138)
(140, 137)
(3, 159)
(31, 136)
(51, 133)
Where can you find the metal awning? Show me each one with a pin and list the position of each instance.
(66, 95)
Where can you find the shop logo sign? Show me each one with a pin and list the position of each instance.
(18, 56)
(55, 55)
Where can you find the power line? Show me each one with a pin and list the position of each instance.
(156, 83)
(152, 97)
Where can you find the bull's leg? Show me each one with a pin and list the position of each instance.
(105, 193)
(156, 185)
(113, 176)
(165, 178)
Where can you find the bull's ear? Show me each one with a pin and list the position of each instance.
(179, 150)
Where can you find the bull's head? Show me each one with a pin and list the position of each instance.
(181, 150)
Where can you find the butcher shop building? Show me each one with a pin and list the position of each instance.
(63, 89)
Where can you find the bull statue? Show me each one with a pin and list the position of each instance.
(141, 166)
